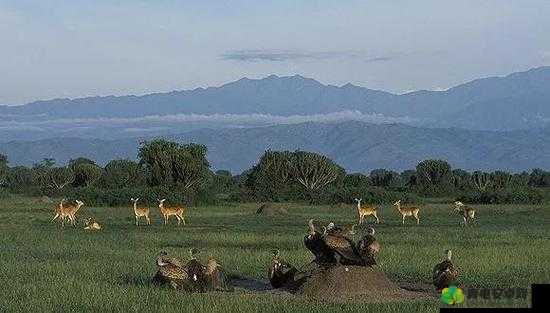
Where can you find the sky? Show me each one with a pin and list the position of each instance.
(69, 49)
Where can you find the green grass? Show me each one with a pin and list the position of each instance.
(45, 268)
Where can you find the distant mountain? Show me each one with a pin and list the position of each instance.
(517, 101)
(359, 147)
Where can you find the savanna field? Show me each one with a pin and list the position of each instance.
(45, 268)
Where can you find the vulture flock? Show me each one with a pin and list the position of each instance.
(333, 246)
(192, 275)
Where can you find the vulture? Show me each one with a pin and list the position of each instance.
(368, 247)
(315, 243)
(444, 273)
(215, 276)
(196, 272)
(281, 273)
(170, 271)
(343, 248)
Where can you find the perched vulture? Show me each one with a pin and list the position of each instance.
(341, 245)
(215, 276)
(315, 243)
(280, 273)
(196, 272)
(444, 273)
(368, 247)
(170, 271)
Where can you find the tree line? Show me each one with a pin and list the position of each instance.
(181, 173)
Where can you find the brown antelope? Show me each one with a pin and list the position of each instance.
(59, 212)
(407, 211)
(68, 211)
(366, 211)
(92, 224)
(468, 213)
(140, 212)
(177, 211)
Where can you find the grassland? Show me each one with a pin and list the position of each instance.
(46, 268)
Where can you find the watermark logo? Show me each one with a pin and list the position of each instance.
(452, 295)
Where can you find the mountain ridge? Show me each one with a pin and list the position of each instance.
(358, 146)
(524, 94)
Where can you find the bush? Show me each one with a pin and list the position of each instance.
(371, 194)
(94, 196)
(505, 196)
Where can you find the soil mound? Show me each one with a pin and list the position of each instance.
(269, 209)
(354, 282)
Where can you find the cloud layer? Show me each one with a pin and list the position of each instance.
(288, 55)
(235, 119)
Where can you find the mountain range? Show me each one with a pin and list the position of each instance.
(357, 146)
(488, 123)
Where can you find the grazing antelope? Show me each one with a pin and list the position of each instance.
(140, 211)
(407, 211)
(92, 224)
(169, 211)
(68, 211)
(468, 213)
(366, 211)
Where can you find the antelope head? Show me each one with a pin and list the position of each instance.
(397, 203)
(161, 202)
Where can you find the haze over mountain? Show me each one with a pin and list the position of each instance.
(518, 101)
(359, 147)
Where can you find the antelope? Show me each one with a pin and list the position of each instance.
(92, 224)
(407, 211)
(169, 211)
(59, 212)
(67, 212)
(366, 211)
(468, 213)
(140, 211)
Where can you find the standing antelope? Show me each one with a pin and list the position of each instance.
(407, 211)
(68, 211)
(169, 211)
(366, 211)
(140, 211)
(468, 213)
(59, 212)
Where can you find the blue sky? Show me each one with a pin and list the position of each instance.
(52, 49)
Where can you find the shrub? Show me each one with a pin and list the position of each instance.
(505, 196)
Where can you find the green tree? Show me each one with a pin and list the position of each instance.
(481, 181)
(408, 177)
(539, 178)
(433, 176)
(3, 169)
(85, 172)
(169, 163)
(123, 173)
(501, 179)
(314, 171)
(270, 178)
(20, 178)
(384, 178)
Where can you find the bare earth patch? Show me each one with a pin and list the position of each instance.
(343, 283)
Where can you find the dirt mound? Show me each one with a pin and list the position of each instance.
(354, 282)
(269, 209)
